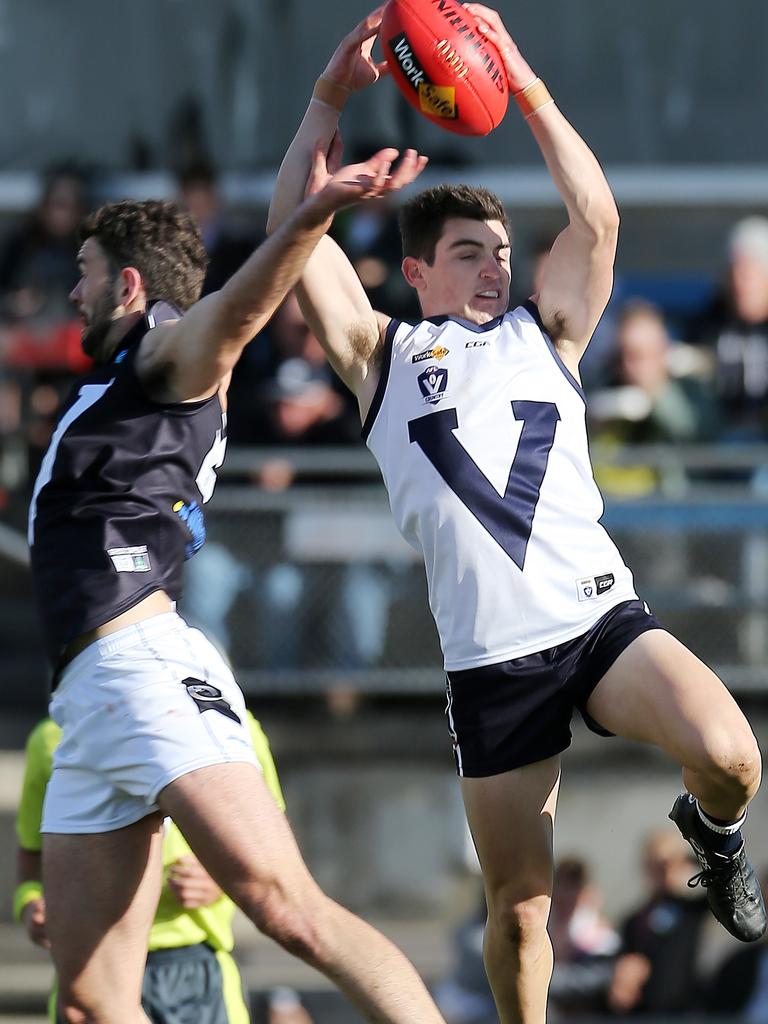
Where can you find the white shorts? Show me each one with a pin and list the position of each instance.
(138, 709)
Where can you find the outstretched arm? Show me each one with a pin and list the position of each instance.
(350, 69)
(331, 295)
(190, 358)
(578, 275)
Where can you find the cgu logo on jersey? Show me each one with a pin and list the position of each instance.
(192, 516)
(433, 383)
(438, 353)
(594, 586)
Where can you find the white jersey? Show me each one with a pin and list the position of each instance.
(480, 434)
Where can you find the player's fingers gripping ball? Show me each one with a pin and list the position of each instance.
(444, 65)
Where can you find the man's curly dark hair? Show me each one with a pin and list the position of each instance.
(158, 238)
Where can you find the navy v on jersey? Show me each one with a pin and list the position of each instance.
(117, 505)
(480, 434)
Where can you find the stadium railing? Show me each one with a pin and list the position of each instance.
(312, 588)
(736, 187)
(323, 557)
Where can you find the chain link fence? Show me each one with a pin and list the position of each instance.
(313, 588)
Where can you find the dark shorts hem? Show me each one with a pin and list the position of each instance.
(603, 660)
(500, 767)
(518, 712)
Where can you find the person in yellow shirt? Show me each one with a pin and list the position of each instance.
(190, 974)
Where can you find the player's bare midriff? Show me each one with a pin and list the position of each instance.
(155, 604)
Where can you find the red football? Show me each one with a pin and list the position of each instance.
(443, 64)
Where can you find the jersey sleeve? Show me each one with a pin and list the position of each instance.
(40, 746)
(264, 754)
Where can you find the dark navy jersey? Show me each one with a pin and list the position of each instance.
(117, 505)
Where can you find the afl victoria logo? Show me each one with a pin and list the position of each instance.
(433, 383)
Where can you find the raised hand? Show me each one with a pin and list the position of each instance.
(352, 65)
(33, 919)
(191, 884)
(333, 187)
(492, 27)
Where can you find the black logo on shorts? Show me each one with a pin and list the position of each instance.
(604, 583)
(209, 698)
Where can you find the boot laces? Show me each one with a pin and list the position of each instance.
(729, 876)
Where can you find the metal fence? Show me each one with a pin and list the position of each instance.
(312, 588)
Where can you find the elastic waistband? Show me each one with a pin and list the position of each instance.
(137, 632)
(199, 951)
(122, 640)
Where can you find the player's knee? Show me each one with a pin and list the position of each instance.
(736, 763)
(521, 922)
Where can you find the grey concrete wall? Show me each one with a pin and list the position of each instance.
(651, 82)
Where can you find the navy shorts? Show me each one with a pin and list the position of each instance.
(518, 712)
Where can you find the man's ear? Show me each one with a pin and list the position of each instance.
(129, 290)
(412, 272)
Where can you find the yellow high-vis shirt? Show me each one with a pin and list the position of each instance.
(174, 926)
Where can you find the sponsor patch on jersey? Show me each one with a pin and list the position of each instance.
(130, 559)
(433, 383)
(438, 353)
(591, 587)
(477, 344)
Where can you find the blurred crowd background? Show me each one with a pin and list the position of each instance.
(304, 582)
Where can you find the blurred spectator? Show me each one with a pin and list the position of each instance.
(657, 967)
(654, 397)
(583, 941)
(371, 239)
(38, 263)
(735, 328)
(347, 605)
(40, 348)
(228, 247)
(464, 996)
(296, 400)
(215, 579)
(304, 606)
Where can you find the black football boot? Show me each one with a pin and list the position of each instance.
(733, 890)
